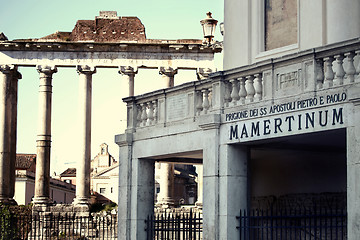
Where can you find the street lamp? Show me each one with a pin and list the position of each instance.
(208, 24)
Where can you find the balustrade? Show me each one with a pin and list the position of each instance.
(339, 69)
(357, 69)
(146, 113)
(203, 100)
(246, 89)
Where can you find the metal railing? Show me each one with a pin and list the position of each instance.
(58, 227)
(14, 227)
(179, 226)
(298, 224)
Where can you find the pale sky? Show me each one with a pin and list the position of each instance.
(163, 19)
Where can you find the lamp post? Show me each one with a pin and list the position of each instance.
(208, 24)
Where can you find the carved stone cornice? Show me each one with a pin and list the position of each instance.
(210, 121)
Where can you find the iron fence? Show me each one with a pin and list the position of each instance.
(58, 227)
(298, 224)
(177, 226)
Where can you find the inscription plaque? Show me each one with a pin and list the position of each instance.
(176, 107)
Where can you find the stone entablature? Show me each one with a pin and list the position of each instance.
(308, 80)
(155, 54)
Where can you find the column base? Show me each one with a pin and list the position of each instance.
(199, 205)
(42, 201)
(166, 203)
(81, 201)
(7, 201)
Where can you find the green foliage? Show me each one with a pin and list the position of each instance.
(98, 207)
(7, 230)
(10, 226)
(110, 207)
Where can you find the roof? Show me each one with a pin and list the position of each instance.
(3, 37)
(68, 172)
(115, 165)
(25, 161)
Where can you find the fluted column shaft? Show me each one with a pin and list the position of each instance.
(168, 74)
(83, 167)
(129, 73)
(42, 178)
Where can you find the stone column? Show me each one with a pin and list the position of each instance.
(165, 197)
(129, 72)
(83, 167)
(199, 202)
(168, 74)
(43, 142)
(5, 80)
(13, 131)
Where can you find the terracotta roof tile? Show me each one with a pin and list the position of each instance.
(25, 161)
(69, 172)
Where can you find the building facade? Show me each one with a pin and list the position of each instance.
(280, 123)
(60, 191)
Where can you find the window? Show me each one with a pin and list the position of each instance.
(102, 190)
(281, 27)
(111, 190)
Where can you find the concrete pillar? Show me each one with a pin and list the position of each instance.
(210, 124)
(13, 131)
(136, 190)
(353, 166)
(199, 170)
(129, 72)
(5, 114)
(166, 194)
(125, 182)
(43, 142)
(168, 74)
(233, 188)
(83, 167)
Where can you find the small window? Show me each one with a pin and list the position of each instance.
(111, 190)
(280, 23)
(102, 190)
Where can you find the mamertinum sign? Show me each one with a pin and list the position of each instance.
(294, 117)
